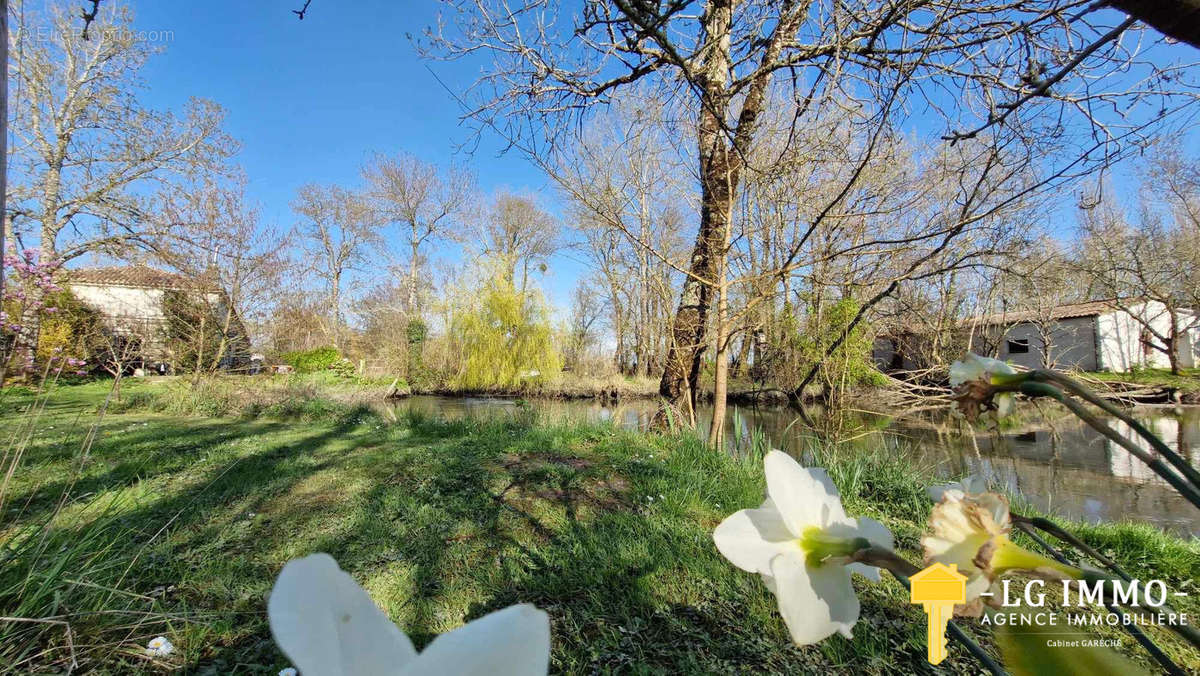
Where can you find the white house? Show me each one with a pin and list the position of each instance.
(1094, 336)
(130, 301)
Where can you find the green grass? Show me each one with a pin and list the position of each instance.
(178, 525)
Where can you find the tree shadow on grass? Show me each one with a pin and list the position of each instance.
(474, 525)
(444, 522)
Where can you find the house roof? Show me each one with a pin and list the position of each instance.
(140, 276)
(1091, 308)
(1069, 311)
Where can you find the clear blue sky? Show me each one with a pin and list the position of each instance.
(311, 100)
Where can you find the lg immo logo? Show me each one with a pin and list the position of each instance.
(1147, 601)
(938, 588)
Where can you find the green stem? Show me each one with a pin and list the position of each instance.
(1185, 468)
(1053, 529)
(1042, 389)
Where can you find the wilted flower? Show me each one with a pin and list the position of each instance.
(973, 380)
(800, 541)
(328, 626)
(970, 485)
(160, 647)
(971, 531)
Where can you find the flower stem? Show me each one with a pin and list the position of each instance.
(1185, 468)
(1036, 388)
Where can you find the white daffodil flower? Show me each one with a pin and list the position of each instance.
(960, 526)
(983, 370)
(970, 485)
(974, 367)
(972, 532)
(799, 540)
(327, 625)
(160, 647)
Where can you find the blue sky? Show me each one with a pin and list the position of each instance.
(311, 100)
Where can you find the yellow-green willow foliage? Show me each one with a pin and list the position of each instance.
(504, 337)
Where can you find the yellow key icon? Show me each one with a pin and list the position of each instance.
(938, 587)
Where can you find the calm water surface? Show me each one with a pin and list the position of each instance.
(1060, 465)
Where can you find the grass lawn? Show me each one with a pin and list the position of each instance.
(179, 525)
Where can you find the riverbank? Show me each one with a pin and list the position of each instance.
(566, 386)
(178, 525)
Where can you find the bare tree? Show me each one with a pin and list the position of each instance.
(427, 203)
(586, 309)
(123, 346)
(212, 233)
(337, 226)
(516, 233)
(1004, 73)
(628, 194)
(86, 152)
(1173, 179)
(1148, 268)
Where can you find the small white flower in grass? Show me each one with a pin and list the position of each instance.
(970, 485)
(328, 626)
(288, 671)
(799, 540)
(160, 647)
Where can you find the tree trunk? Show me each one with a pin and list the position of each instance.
(336, 301)
(741, 365)
(1173, 344)
(718, 182)
(412, 275)
(716, 433)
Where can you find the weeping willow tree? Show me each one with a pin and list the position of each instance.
(503, 337)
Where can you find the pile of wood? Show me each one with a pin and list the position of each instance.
(1139, 393)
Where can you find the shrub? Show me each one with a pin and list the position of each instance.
(312, 361)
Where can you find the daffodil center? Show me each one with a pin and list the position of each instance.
(819, 545)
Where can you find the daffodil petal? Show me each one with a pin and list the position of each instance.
(938, 491)
(510, 642)
(1006, 403)
(836, 513)
(328, 626)
(815, 601)
(974, 484)
(879, 536)
(752, 537)
(801, 495)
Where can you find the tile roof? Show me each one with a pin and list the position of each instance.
(1069, 311)
(1091, 308)
(132, 275)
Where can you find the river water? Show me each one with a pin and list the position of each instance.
(1059, 465)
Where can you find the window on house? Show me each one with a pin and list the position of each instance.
(1018, 345)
